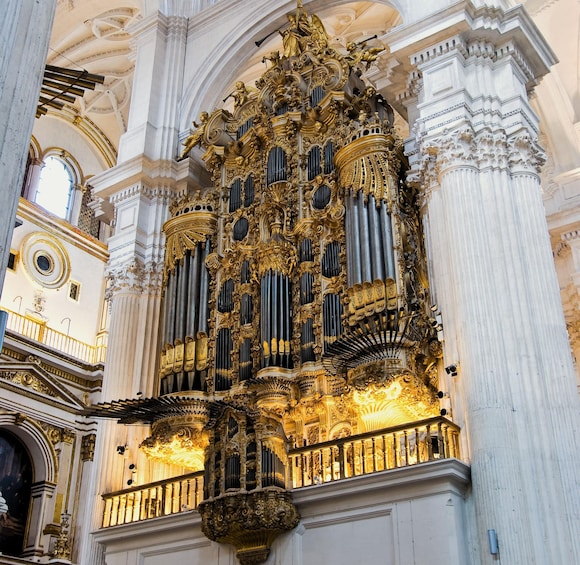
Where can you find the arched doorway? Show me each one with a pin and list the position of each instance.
(15, 483)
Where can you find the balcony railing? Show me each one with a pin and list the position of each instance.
(389, 448)
(381, 450)
(39, 331)
(161, 498)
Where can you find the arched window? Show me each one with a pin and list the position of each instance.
(55, 187)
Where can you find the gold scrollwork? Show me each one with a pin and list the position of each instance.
(184, 232)
(367, 164)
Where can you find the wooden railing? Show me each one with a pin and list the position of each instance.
(161, 498)
(39, 331)
(389, 448)
(381, 450)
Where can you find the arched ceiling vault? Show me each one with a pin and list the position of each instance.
(95, 35)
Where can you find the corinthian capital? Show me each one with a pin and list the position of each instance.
(126, 277)
(525, 154)
(453, 149)
(134, 277)
(437, 155)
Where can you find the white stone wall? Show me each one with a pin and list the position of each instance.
(411, 516)
(86, 261)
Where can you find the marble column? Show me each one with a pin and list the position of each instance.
(76, 203)
(475, 159)
(134, 294)
(568, 251)
(34, 171)
(24, 48)
(139, 189)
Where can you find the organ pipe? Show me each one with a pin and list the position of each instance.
(365, 238)
(181, 295)
(306, 250)
(314, 168)
(193, 295)
(169, 333)
(378, 271)
(249, 191)
(387, 241)
(370, 253)
(328, 158)
(235, 195)
(204, 289)
(276, 168)
(276, 320)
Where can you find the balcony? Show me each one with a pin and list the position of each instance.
(161, 498)
(40, 332)
(382, 450)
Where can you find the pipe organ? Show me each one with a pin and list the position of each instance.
(296, 305)
(183, 359)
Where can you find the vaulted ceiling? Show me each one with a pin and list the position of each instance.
(95, 35)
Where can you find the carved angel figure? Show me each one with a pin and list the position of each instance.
(358, 53)
(303, 32)
(195, 138)
(241, 94)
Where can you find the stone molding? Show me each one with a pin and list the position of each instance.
(163, 193)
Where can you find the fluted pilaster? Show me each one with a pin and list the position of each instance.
(495, 282)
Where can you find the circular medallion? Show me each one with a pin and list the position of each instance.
(45, 260)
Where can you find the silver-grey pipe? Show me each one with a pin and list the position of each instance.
(204, 288)
(357, 264)
(365, 241)
(388, 241)
(376, 241)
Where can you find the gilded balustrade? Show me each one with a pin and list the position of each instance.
(380, 450)
(161, 498)
(390, 448)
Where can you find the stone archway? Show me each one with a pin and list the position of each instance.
(15, 487)
(42, 481)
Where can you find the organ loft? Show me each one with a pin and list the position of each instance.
(296, 301)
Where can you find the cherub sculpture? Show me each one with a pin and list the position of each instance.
(358, 53)
(196, 137)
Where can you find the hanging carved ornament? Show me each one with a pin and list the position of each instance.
(249, 521)
(183, 445)
(403, 398)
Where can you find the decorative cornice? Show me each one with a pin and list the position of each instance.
(469, 32)
(163, 193)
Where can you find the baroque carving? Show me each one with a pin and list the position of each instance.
(249, 521)
(88, 447)
(28, 380)
(181, 445)
(309, 306)
(525, 154)
(463, 147)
